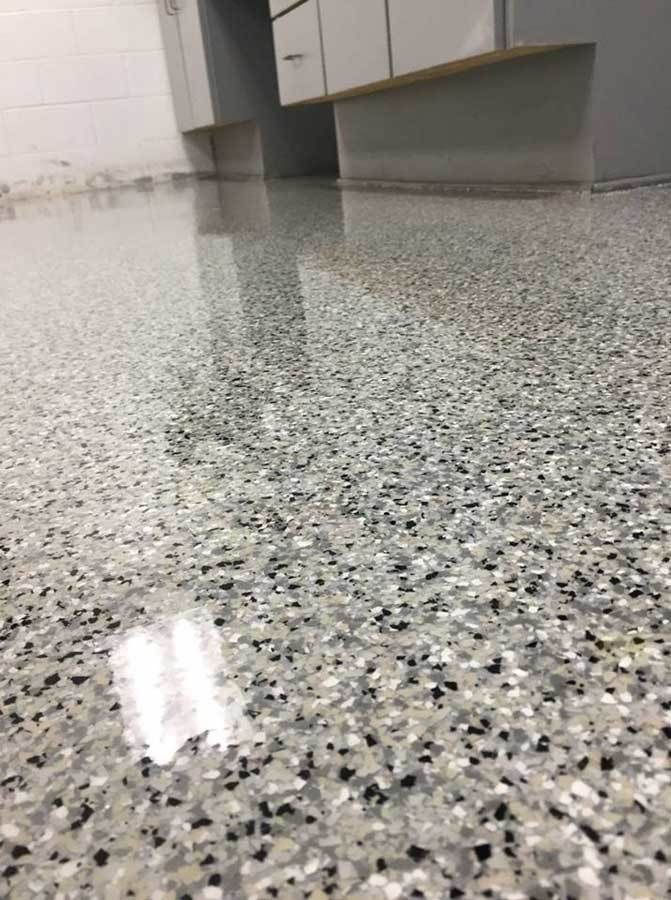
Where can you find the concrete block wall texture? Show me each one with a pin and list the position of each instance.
(85, 99)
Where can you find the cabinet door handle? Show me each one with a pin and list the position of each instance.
(292, 56)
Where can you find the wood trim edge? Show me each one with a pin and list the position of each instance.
(287, 10)
(446, 69)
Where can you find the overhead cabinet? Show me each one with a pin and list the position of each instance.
(334, 48)
(369, 42)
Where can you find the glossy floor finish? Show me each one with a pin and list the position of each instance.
(335, 545)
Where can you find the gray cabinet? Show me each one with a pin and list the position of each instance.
(363, 42)
(427, 33)
(356, 43)
(298, 54)
(567, 22)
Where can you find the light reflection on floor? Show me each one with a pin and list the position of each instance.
(171, 681)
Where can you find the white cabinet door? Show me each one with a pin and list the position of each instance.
(356, 42)
(427, 33)
(298, 54)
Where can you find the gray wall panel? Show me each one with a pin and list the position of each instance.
(632, 84)
(523, 121)
(632, 103)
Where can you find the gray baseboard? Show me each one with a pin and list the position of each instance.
(506, 190)
(628, 184)
(498, 125)
(458, 189)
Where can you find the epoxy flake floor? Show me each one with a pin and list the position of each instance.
(335, 552)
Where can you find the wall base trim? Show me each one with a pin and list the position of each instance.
(511, 190)
(454, 188)
(629, 184)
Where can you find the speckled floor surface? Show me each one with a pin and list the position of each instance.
(334, 545)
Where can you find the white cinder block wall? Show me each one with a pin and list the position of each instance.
(85, 99)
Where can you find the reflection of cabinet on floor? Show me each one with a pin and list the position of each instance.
(221, 63)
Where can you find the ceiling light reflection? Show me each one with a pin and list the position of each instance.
(172, 685)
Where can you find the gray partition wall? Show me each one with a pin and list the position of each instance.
(631, 105)
(526, 121)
